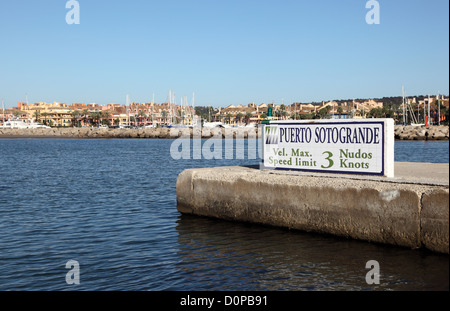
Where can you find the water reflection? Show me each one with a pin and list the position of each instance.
(220, 255)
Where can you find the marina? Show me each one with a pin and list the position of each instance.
(116, 214)
(224, 154)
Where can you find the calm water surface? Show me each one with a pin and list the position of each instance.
(111, 205)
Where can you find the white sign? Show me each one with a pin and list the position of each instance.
(364, 146)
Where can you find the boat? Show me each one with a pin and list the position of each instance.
(37, 125)
(16, 123)
(215, 124)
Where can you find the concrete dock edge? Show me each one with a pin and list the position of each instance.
(402, 212)
(435, 220)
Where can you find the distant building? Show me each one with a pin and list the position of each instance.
(250, 114)
(54, 114)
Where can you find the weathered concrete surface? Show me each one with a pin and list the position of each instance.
(434, 173)
(401, 211)
(434, 220)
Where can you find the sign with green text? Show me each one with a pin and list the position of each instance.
(364, 146)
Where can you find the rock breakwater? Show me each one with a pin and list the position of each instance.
(155, 133)
(401, 133)
(421, 132)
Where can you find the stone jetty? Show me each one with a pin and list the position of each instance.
(155, 133)
(410, 210)
(401, 133)
(421, 132)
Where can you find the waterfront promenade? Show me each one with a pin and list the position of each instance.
(410, 210)
(401, 133)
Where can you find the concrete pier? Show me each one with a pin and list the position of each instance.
(410, 210)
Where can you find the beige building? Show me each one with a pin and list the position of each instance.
(54, 114)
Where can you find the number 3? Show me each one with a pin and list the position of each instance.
(331, 162)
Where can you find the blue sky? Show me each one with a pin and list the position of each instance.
(226, 52)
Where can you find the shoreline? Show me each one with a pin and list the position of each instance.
(400, 132)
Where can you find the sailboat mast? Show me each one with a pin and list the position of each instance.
(128, 112)
(193, 109)
(418, 112)
(403, 104)
(406, 108)
(170, 107)
(439, 109)
(181, 111)
(136, 111)
(424, 112)
(3, 112)
(185, 109)
(353, 109)
(153, 103)
(28, 115)
(174, 109)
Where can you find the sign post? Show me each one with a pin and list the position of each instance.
(364, 146)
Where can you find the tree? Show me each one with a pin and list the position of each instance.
(106, 115)
(164, 116)
(308, 116)
(324, 112)
(239, 117)
(37, 115)
(248, 117)
(96, 116)
(340, 111)
(133, 120)
(75, 116)
(228, 117)
(376, 113)
(295, 116)
(17, 113)
(45, 115)
(86, 115)
(142, 115)
(386, 111)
